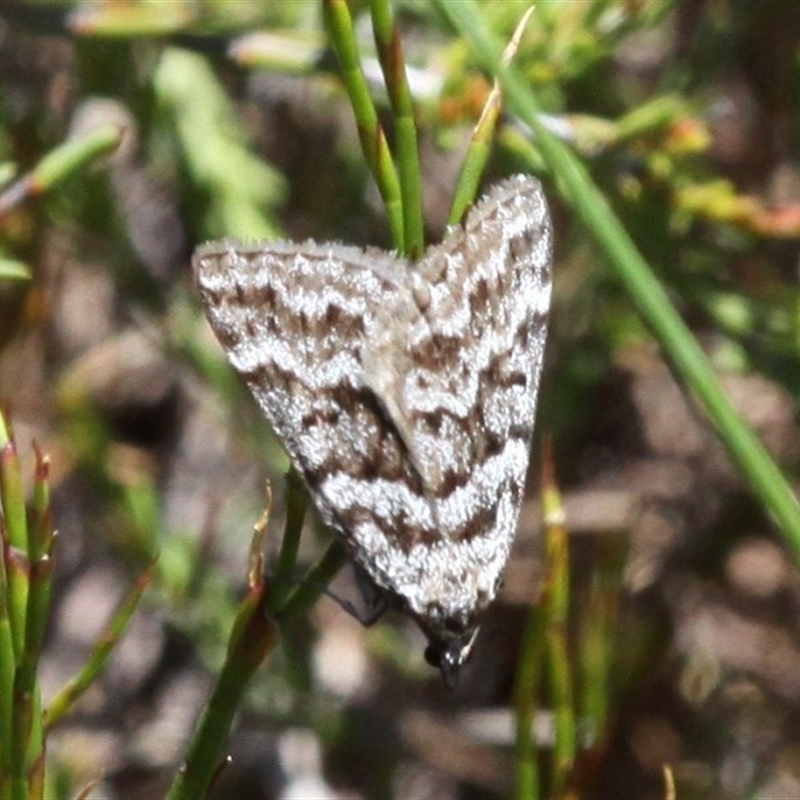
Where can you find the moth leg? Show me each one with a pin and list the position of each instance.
(376, 599)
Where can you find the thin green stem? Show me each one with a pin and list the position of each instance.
(77, 685)
(308, 591)
(560, 673)
(7, 670)
(557, 607)
(296, 500)
(40, 548)
(15, 544)
(8, 659)
(482, 137)
(596, 652)
(390, 53)
(11, 270)
(527, 689)
(373, 139)
(59, 164)
(254, 637)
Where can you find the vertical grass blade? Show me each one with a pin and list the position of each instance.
(15, 544)
(75, 687)
(296, 501)
(372, 136)
(557, 640)
(253, 638)
(8, 661)
(527, 689)
(390, 54)
(482, 136)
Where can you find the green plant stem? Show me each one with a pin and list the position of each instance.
(77, 685)
(371, 134)
(475, 160)
(556, 606)
(296, 500)
(7, 670)
(8, 660)
(307, 592)
(40, 550)
(28, 743)
(254, 637)
(482, 138)
(11, 270)
(683, 351)
(390, 53)
(15, 544)
(558, 658)
(596, 652)
(526, 692)
(59, 164)
(28, 729)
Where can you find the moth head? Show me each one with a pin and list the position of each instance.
(448, 650)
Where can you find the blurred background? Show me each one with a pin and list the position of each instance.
(682, 642)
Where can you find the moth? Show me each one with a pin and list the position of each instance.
(404, 393)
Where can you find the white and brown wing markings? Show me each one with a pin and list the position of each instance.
(405, 393)
(301, 358)
(281, 348)
(472, 375)
(287, 315)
